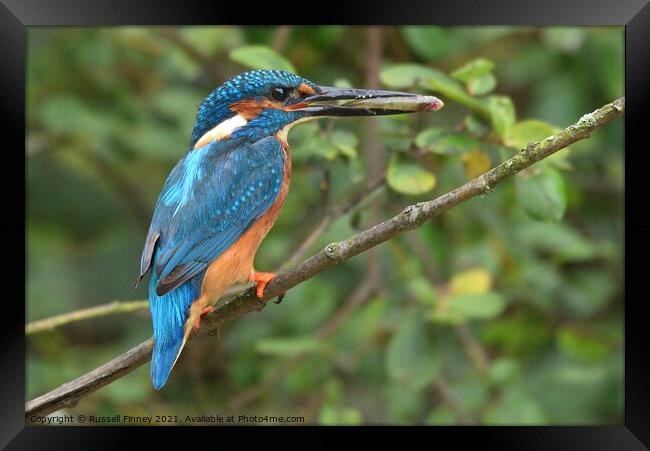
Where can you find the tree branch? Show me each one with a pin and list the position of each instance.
(410, 218)
(69, 394)
(87, 313)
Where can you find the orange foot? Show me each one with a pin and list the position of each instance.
(262, 278)
(205, 311)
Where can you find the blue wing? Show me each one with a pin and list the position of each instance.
(211, 197)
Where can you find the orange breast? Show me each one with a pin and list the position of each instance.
(236, 263)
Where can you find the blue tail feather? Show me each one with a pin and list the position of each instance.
(168, 315)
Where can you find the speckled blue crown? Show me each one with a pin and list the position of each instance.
(215, 107)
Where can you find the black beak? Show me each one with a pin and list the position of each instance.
(367, 102)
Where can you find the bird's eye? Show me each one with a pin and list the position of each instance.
(280, 94)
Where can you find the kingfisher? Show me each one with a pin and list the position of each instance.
(222, 198)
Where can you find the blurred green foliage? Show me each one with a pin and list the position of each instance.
(505, 310)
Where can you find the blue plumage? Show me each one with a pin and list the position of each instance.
(211, 197)
(209, 200)
(268, 122)
(168, 314)
(233, 183)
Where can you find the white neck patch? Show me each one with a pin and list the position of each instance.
(284, 131)
(221, 131)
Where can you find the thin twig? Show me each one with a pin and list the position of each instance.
(411, 217)
(281, 37)
(447, 396)
(473, 349)
(53, 322)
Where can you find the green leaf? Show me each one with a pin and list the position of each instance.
(429, 136)
(260, 57)
(316, 144)
(422, 289)
(555, 239)
(406, 176)
(428, 42)
(445, 316)
(504, 370)
(542, 193)
(474, 69)
(345, 142)
(502, 115)
(288, 347)
(515, 408)
(331, 415)
(440, 82)
(481, 85)
(581, 346)
(401, 76)
(529, 130)
(411, 358)
(441, 142)
(476, 305)
(454, 144)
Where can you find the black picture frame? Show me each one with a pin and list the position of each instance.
(17, 15)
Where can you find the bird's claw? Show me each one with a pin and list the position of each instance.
(205, 311)
(262, 279)
(280, 298)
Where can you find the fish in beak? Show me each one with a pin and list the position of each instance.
(366, 102)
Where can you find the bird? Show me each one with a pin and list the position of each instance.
(223, 196)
